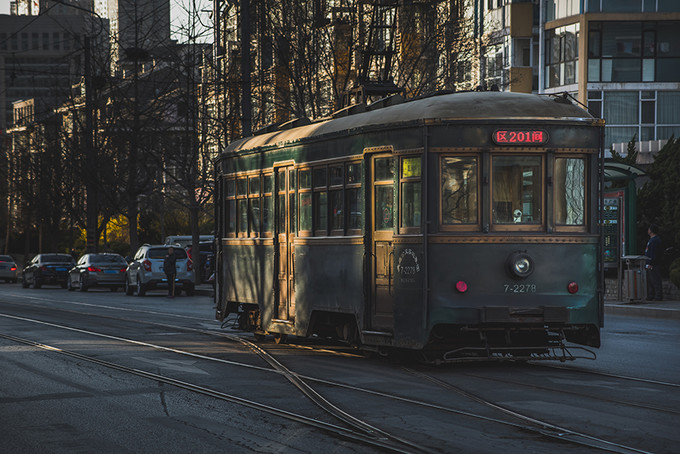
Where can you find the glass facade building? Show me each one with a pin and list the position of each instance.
(621, 58)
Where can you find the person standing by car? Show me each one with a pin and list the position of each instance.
(653, 253)
(169, 265)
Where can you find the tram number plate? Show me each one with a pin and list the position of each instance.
(519, 288)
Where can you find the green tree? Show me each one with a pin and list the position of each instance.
(631, 153)
(658, 200)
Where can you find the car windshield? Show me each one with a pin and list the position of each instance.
(6, 258)
(57, 258)
(160, 253)
(107, 258)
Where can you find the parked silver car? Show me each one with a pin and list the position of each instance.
(8, 268)
(145, 271)
(97, 270)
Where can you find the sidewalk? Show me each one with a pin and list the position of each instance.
(204, 290)
(655, 309)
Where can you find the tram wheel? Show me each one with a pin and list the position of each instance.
(281, 338)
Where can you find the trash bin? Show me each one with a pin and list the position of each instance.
(635, 276)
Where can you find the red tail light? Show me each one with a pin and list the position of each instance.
(461, 286)
(14, 268)
(190, 265)
(147, 265)
(93, 269)
(572, 287)
(122, 270)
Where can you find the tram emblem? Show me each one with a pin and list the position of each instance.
(408, 264)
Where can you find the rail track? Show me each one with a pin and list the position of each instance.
(350, 426)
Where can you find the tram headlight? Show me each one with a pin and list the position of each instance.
(520, 265)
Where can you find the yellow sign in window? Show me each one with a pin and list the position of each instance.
(410, 167)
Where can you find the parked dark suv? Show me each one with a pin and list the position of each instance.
(145, 271)
(46, 269)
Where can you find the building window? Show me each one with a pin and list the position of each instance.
(558, 9)
(522, 52)
(595, 103)
(561, 49)
(633, 52)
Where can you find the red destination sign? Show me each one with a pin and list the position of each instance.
(520, 136)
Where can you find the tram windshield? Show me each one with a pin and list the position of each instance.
(459, 190)
(516, 189)
(569, 191)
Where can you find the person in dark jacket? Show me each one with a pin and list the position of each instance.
(169, 265)
(653, 253)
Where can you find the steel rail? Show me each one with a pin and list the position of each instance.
(544, 428)
(349, 434)
(580, 394)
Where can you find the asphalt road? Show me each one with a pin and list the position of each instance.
(166, 379)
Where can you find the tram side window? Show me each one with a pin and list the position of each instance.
(516, 189)
(254, 214)
(384, 193)
(231, 207)
(411, 202)
(305, 194)
(320, 201)
(320, 213)
(267, 205)
(336, 199)
(459, 190)
(353, 195)
(570, 194)
(242, 206)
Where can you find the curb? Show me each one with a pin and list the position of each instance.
(667, 313)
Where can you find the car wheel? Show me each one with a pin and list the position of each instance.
(69, 286)
(189, 290)
(140, 290)
(35, 283)
(83, 287)
(24, 283)
(128, 287)
(63, 285)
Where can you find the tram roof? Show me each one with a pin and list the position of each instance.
(452, 107)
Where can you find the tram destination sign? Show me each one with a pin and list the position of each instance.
(520, 137)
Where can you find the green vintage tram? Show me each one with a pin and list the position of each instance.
(462, 226)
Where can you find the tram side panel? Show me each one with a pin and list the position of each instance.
(410, 306)
(329, 288)
(248, 278)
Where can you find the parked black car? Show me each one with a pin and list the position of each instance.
(98, 270)
(47, 269)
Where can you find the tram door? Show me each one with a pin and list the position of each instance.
(285, 231)
(383, 215)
